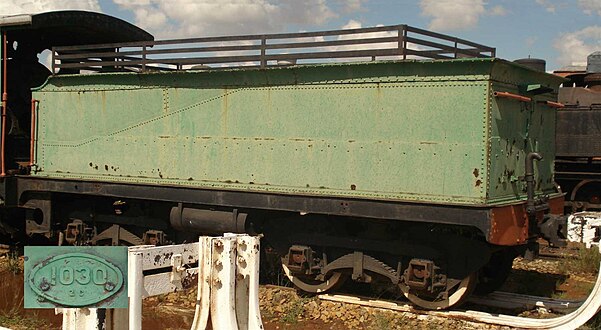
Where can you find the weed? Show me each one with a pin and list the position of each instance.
(267, 314)
(576, 286)
(16, 321)
(586, 261)
(11, 316)
(381, 321)
(295, 311)
(593, 324)
(13, 263)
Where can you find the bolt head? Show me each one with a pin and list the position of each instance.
(44, 286)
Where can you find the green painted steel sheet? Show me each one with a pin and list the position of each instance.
(427, 131)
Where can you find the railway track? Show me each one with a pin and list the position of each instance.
(578, 312)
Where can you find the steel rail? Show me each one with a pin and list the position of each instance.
(585, 310)
(508, 300)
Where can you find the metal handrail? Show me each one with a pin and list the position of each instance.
(396, 41)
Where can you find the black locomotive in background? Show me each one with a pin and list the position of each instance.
(578, 136)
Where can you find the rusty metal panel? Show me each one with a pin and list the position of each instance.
(509, 225)
(418, 131)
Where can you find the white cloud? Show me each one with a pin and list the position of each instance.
(590, 6)
(498, 11)
(349, 6)
(188, 18)
(14, 7)
(452, 14)
(352, 24)
(549, 5)
(574, 47)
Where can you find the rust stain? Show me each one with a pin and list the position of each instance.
(476, 172)
(509, 225)
(478, 183)
(556, 205)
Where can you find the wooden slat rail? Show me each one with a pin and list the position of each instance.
(395, 41)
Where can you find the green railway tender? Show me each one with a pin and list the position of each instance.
(427, 163)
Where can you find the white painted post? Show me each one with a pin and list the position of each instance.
(223, 283)
(93, 318)
(79, 318)
(229, 292)
(584, 227)
(247, 283)
(201, 315)
(135, 289)
(116, 319)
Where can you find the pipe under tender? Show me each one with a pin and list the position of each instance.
(207, 221)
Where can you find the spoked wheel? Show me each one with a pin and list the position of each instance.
(309, 285)
(455, 294)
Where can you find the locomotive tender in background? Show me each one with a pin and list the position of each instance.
(429, 165)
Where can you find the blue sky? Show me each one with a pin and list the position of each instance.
(559, 31)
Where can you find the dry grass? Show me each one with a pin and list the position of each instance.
(14, 264)
(586, 261)
(12, 314)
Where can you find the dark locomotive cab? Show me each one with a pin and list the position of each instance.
(28, 40)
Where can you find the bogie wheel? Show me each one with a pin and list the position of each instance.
(308, 285)
(456, 293)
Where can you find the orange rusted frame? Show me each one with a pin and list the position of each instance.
(509, 224)
(34, 102)
(512, 96)
(553, 104)
(4, 100)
